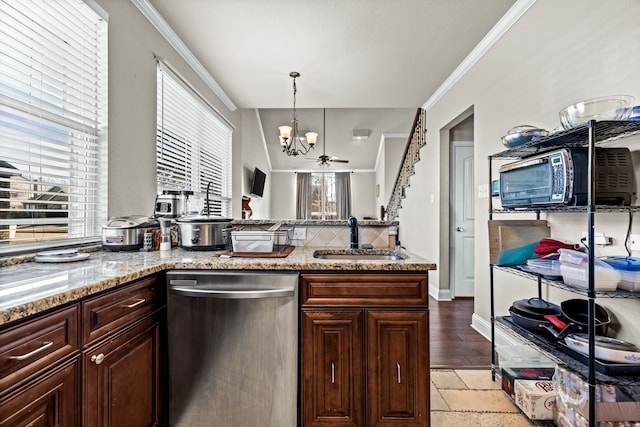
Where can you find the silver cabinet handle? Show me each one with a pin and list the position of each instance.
(135, 304)
(97, 359)
(45, 345)
(333, 373)
(232, 294)
(398, 370)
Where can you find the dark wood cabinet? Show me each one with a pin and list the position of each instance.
(49, 401)
(121, 379)
(332, 368)
(364, 350)
(94, 363)
(396, 372)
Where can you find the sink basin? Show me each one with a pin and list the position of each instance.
(359, 254)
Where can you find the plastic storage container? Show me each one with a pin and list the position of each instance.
(546, 267)
(574, 266)
(260, 241)
(522, 356)
(629, 268)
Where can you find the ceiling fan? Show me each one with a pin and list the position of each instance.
(324, 160)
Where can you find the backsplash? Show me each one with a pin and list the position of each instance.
(332, 233)
(338, 237)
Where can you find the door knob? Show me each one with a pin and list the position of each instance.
(458, 228)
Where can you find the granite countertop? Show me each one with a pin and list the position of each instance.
(28, 288)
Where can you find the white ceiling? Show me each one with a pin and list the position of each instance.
(362, 57)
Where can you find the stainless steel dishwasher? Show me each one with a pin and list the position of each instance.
(233, 348)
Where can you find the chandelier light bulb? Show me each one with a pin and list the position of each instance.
(311, 137)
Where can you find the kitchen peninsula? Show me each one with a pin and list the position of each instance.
(74, 333)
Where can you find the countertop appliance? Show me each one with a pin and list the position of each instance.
(233, 348)
(559, 178)
(172, 203)
(127, 233)
(202, 232)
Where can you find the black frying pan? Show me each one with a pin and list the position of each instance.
(536, 308)
(547, 323)
(576, 311)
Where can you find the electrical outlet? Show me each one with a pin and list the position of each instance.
(599, 238)
(634, 242)
(299, 233)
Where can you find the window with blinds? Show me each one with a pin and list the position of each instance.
(53, 153)
(193, 144)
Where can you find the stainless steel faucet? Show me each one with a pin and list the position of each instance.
(352, 222)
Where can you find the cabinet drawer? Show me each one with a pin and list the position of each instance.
(105, 313)
(364, 289)
(30, 347)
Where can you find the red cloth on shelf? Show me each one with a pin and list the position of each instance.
(548, 248)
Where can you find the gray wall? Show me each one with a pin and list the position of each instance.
(557, 54)
(133, 45)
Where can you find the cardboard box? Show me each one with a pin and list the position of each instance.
(510, 375)
(536, 398)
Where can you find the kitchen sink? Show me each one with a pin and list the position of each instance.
(359, 254)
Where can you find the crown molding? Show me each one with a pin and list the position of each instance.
(167, 32)
(504, 24)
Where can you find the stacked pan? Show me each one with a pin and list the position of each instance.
(538, 315)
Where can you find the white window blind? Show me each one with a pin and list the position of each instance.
(53, 153)
(193, 143)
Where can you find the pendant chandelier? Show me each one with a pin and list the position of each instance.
(290, 140)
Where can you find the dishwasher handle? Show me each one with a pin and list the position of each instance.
(191, 288)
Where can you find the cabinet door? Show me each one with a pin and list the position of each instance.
(397, 368)
(121, 379)
(332, 381)
(50, 401)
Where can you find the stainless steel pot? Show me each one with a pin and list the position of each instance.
(202, 232)
(127, 233)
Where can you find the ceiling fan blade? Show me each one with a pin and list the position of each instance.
(338, 161)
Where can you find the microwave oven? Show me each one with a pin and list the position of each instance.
(560, 178)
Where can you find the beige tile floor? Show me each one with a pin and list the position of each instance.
(470, 398)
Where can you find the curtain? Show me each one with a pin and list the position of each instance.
(343, 194)
(303, 202)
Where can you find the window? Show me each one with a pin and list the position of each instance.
(53, 153)
(323, 196)
(193, 143)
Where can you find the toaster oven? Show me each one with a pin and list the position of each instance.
(560, 178)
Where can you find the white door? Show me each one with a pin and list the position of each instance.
(462, 227)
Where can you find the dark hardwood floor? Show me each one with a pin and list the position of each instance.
(453, 343)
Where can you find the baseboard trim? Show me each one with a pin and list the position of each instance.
(440, 294)
(483, 327)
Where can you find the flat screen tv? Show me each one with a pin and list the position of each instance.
(257, 184)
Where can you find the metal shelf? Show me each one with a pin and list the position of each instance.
(591, 135)
(552, 350)
(569, 209)
(620, 293)
(606, 132)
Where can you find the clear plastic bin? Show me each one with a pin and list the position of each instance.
(629, 268)
(258, 240)
(522, 356)
(574, 266)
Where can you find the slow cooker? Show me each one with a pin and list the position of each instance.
(127, 233)
(202, 232)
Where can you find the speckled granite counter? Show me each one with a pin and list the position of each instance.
(30, 287)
